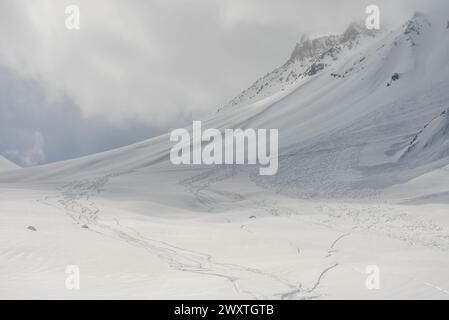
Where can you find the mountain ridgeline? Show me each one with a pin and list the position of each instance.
(309, 57)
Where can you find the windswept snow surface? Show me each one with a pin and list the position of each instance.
(363, 181)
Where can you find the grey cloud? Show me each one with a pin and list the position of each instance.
(35, 130)
(32, 154)
(157, 59)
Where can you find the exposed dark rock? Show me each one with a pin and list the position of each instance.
(336, 75)
(315, 68)
(394, 77)
(31, 228)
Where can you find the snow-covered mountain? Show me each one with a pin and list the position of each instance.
(309, 57)
(344, 121)
(363, 124)
(6, 165)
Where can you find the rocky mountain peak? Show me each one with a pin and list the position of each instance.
(355, 30)
(309, 57)
(310, 48)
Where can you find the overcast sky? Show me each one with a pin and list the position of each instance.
(138, 68)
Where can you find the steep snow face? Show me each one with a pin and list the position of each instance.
(309, 57)
(6, 165)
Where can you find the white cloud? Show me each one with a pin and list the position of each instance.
(161, 59)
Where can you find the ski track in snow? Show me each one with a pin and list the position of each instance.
(348, 219)
(75, 199)
(387, 221)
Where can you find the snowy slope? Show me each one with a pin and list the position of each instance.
(432, 142)
(358, 137)
(6, 165)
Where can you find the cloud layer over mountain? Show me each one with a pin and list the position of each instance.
(152, 63)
